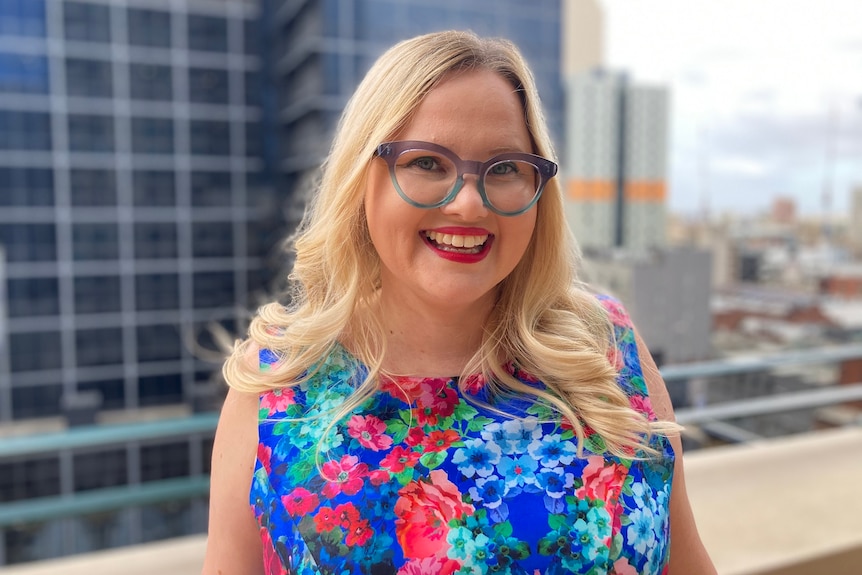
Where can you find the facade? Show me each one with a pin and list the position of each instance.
(616, 162)
(133, 212)
(324, 47)
(667, 292)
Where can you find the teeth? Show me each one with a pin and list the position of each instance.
(455, 240)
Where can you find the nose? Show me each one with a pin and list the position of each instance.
(467, 203)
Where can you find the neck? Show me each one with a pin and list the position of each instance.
(430, 342)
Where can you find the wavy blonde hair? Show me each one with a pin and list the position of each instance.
(545, 320)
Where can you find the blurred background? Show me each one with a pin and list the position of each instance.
(155, 153)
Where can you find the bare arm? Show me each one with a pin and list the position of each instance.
(233, 543)
(688, 556)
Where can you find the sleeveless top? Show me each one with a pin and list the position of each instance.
(418, 480)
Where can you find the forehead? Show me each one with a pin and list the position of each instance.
(476, 109)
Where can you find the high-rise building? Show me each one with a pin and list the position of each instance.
(616, 162)
(134, 211)
(324, 47)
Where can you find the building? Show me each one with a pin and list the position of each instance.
(856, 216)
(134, 211)
(323, 48)
(615, 168)
(667, 293)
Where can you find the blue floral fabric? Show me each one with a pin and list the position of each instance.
(419, 480)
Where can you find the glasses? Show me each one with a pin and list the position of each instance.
(430, 176)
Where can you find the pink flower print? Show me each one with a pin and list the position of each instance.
(346, 514)
(602, 480)
(272, 564)
(401, 387)
(616, 312)
(429, 566)
(369, 431)
(400, 459)
(379, 477)
(277, 400)
(345, 476)
(642, 404)
(435, 403)
(415, 436)
(423, 512)
(622, 567)
(474, 383)
(300, 502)
(264, 455)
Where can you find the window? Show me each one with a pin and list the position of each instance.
(160, 389)
(213, 289)
(97, 294)
(26, 187)
(100, 469)
(152, 136)
(94, 242)
(159, 342)
(150, 82)
(32, 297)
(113, 392)
(210, 138)
(207, 33)
(23, 73)
(86, 22)
(25, 131)
(251, 37)
(22, 18)
(149, 28)
(91, 133)
(28, 242)
(93, 187)
(90, 78)
(155, 240)
(211, 189)
(153, 188)
(208, 86)
(252, 89)
(212, 239)
(29, 479)
(36, 401)
(102, 346)
(253, 140)
(157, 291)
(164, 461)
(33, 351)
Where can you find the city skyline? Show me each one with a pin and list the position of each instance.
(765, 98)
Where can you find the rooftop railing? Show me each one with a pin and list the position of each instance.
(196, 486)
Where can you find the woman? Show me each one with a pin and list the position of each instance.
(442, 396)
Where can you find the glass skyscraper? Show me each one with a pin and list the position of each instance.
(151, 157)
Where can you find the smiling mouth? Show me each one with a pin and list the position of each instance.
(456, 243)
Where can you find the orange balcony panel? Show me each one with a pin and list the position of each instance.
(653, 191)
(591, 190)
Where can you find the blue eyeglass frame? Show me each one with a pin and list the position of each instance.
(390, 151)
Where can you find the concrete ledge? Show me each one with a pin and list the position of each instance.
(774, 507)
(180, 556)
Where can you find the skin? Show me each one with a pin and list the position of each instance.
(450, 300)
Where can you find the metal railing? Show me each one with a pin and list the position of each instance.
(183, 488)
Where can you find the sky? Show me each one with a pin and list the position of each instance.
(766, 97)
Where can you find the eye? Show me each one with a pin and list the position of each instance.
(424, 163)
(503, 169)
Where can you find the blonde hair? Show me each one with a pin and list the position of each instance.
(545, 320)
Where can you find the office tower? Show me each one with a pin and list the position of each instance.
(133, 212)
(324, 47)
(616, 164)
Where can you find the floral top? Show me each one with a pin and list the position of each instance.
(421, 481)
